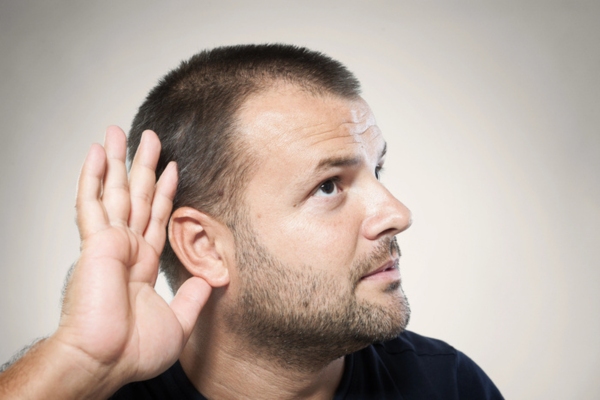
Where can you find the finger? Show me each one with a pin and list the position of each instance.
(91, 216)
(188, 302)
(166, 186)
(115, 196)
(142, 178)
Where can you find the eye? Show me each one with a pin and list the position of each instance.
(378, 172)
(328, 188)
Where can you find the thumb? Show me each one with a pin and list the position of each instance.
(188, 302)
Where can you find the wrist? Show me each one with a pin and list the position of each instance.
(55, 369)
(83, 374)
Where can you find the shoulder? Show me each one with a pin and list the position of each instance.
(412, 358)
(415, 366)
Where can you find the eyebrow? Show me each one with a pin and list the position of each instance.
(332, 162)
(338, 162)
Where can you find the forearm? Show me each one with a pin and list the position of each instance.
(51, 369)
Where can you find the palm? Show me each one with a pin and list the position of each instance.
(111, 311)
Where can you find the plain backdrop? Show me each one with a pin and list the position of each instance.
(490, 110)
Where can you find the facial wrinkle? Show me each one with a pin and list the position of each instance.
(348, 138)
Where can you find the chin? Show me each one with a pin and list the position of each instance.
(384, 319)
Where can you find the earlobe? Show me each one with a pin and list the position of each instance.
(194, 237)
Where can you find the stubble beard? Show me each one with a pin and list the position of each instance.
(305, 318)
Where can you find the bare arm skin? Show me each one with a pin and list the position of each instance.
(114, 327)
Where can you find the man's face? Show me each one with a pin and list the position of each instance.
(316, 253)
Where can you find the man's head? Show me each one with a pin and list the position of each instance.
(194, 110)
(279, 159)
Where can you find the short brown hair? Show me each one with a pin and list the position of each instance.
(193, 109)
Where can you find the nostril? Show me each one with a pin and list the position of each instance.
(389, 232)
(385, 215)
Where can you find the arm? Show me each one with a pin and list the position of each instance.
(114, 327)
(19, 354)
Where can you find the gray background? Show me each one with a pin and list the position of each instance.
(490, 110)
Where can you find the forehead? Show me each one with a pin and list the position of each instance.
(288, 124)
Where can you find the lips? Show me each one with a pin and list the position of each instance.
(391, 265)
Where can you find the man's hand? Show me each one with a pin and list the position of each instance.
(114, 327)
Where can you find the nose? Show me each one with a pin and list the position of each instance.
(385, 215)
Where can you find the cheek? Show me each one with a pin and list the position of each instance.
(321, 243)
(335, 252)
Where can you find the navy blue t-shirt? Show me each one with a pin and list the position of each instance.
(408, 367)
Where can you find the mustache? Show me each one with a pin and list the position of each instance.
(387, 248)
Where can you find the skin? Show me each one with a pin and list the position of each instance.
(326, 217)
(294, 214)
(115, 328)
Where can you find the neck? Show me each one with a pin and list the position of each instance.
(222, 365)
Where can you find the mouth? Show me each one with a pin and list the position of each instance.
(388, 270)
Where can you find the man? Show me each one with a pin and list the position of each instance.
(281, 249)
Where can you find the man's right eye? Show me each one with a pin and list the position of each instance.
(328, 188)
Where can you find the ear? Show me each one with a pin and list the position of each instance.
(199, 241)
